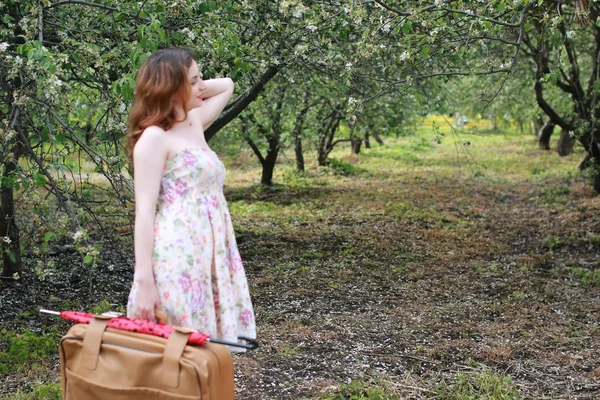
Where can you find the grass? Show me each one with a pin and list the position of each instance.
(357, 390)
(50, 391)
(586, 276)
(487, 385)
(26, 350)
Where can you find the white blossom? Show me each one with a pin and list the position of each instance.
(438, 3)
(405, 56)
(570, 34)
(348, 65)
(352, 101)
(7, 240)
(299, 11)
(10, 135)
(80, 234)
(3, 46)
(311, 28)
(189, 33)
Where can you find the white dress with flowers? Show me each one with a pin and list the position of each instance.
(197, 266)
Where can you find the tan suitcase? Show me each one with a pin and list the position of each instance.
(104, 363)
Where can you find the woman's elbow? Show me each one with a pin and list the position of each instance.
(229, 83)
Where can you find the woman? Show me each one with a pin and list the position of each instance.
(186, 258)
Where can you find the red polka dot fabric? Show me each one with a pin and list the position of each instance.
(134, 325)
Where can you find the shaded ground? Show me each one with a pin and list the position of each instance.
(410, 284)
(416, 286)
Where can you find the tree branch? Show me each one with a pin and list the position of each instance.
(249, 140)
(492, 20)
(242, 103)
(82, 3)
(434, 8)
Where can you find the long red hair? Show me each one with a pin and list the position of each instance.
(162, 78)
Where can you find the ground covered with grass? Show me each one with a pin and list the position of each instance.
(464, 269)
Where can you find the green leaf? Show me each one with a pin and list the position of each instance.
(407, 27)
(12, 256)
(48, 236)
(39, 179)
(88, 260)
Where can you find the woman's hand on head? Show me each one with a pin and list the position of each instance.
(203, 89)
(216, 95)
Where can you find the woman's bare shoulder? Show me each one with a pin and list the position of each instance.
(154, 138)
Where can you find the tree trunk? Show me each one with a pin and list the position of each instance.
(544, 135)
(9, 156)
(356, 144)
(268, 168)
(11, 248)
(536, 124)
(566, 143)
(367, 142)
(322, 157)
(377, 137)
(268, 165)
(274, 142)
(297, 133)
(326, 143)
(586, 162)
(597, 183)
(299, 153)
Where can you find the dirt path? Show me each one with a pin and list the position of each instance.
(410, 286)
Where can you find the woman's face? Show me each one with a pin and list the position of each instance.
(198, 87)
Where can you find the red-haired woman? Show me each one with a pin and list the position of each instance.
(186, 258)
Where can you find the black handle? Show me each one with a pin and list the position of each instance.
(251, 344)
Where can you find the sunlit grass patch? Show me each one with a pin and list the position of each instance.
(485, 385)
(357, 390)
(341, 167)
(50, 391)
(242, 207)
(586, 276)
(510, 156)
(25, 350)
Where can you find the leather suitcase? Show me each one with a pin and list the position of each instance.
(105, 363)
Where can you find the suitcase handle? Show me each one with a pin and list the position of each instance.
(248, 343)
(251, 344)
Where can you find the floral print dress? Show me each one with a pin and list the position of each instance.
(197, 266)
